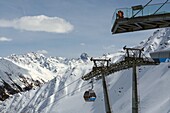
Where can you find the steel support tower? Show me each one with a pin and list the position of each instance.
(105, 90)
(135, 100)
(133, 58)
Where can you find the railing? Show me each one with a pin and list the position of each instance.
(148, 10)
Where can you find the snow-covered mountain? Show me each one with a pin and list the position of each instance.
(64, 92)
(19, 73)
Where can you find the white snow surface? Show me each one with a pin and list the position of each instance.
(64, 93)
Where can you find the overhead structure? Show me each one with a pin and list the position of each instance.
(133, 58)
(141, 17)
(122, 65)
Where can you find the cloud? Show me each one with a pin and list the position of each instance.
(82, 44)
(4, 39)
(109, 47)
(42, 51)
(39, 23)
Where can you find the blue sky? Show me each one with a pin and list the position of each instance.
(64, 28)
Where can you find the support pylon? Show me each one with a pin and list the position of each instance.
(135, 102)
(105, 90)
(106, 95)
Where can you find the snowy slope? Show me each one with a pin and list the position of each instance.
(20, 73)
(16, 77)
(64, 93)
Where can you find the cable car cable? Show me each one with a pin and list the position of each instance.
(142, 8)
(61, 89)
(160, 7)
(62, 97)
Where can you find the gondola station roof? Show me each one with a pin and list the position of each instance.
(161, 56)
(141, 18)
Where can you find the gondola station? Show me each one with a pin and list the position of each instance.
(161, 56)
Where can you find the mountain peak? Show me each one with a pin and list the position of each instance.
(84, 56)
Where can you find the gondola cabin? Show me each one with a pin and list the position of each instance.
(89, 96)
